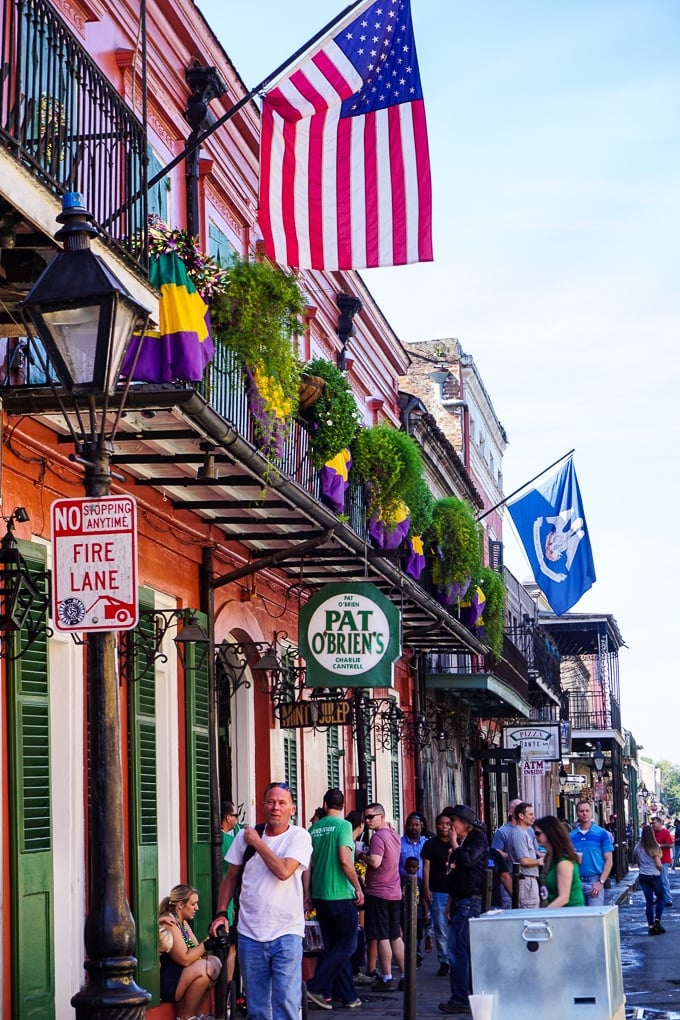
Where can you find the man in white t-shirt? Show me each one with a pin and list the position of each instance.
(271, 919)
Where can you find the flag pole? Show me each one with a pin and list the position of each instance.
(192, 146)
(524, 486)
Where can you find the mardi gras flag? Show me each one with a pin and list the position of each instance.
(415, 561)
(384, 537)
(334, 479)
(182, 346)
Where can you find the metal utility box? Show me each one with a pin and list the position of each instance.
(563, 963)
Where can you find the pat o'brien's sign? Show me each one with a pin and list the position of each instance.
(349, 637)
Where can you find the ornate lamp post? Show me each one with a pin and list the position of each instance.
(85, 319)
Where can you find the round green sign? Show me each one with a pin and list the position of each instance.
(349, 637)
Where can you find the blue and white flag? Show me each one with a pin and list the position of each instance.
(551, 525)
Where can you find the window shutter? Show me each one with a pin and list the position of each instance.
(30, 809)
(199, 820)
(144, 804)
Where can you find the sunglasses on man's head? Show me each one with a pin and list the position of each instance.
(282, 786)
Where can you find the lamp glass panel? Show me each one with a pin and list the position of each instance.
(74, 334)
(125, 317)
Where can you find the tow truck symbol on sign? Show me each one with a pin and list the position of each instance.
(72, 611)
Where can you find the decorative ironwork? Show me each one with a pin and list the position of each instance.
(67, 125)
(24, 596)
(140, 649)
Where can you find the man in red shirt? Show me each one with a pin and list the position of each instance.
(383, 896)
(665, 841)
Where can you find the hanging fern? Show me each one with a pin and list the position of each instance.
(389, 463)
(455, 538)
(257, 316)
(493, 616)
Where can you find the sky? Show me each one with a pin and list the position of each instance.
(553, 130)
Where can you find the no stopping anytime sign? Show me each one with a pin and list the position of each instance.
(94, 557)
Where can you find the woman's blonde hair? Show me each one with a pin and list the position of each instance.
(178, 894)
(648, 841)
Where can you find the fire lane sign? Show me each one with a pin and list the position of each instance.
(94, 557)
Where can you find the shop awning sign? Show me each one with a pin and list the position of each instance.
(535, 740)
(349, 637)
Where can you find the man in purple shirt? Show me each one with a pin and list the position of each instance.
(383, 895)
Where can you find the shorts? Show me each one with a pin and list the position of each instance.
(381, 919)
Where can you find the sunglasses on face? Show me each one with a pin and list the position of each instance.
(369, 818)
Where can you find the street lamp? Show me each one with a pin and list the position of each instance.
(598, 758)
(85, 319)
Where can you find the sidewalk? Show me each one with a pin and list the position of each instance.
(430, 989)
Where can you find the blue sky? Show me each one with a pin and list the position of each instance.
(556, 171)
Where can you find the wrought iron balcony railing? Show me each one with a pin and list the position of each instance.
(64, 121)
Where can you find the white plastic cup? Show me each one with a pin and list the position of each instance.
(482, 1006)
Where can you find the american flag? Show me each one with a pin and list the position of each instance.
(344, 162)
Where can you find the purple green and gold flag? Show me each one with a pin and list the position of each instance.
(415, 561)
(334, 480)
(182, 346)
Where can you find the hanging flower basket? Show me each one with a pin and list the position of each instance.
(312, 387)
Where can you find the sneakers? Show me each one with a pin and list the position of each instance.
(443, 970)
(453, 1007)
(364, 979)
(318, 1000)
(353, 1005)
(653, 930)
(383, 986)
(660, 930)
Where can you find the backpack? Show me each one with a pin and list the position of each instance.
(250, 852)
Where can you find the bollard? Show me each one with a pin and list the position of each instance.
(410, 945)
(515, 886)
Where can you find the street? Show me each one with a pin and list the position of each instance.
(651, 968)
(651, 972)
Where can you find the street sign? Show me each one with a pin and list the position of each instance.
(94, 560)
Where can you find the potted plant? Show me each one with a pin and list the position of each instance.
(257, 317)
(334, 417)
(492, 621)
(389, 464)
(455, 540)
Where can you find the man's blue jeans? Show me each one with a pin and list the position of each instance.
(666, 885)
(272, 975)
(339, 920)
(440, 924)
(459, 948)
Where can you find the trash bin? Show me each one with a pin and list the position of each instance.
(562, 963)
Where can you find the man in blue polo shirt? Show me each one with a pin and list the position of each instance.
(593, 845)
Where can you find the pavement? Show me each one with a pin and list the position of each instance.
(431, 990)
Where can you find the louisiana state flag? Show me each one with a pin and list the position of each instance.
(182, 347)
(551, 524)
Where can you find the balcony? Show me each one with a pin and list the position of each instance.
(63, 121)
(494, 687)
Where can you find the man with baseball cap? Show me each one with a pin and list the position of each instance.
(469, 860)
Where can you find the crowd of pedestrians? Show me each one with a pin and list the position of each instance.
(349, 875)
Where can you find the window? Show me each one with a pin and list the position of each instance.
(333, 758)
(219, 247)
(158, 195)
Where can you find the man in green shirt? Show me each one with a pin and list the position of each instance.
(230, 828)
(332, 888)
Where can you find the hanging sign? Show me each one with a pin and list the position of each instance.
(535, 740)
(535, 767)
(94, 559)
(315, 712)
(349, 636)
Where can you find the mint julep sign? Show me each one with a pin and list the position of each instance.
(349, 637)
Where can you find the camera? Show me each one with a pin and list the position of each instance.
(220, 941)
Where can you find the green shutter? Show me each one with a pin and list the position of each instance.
(333, 765)
(30, 809)
(290, 753)
(199, 827)
(143, 806)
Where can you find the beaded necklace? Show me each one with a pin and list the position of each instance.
(189, 942)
